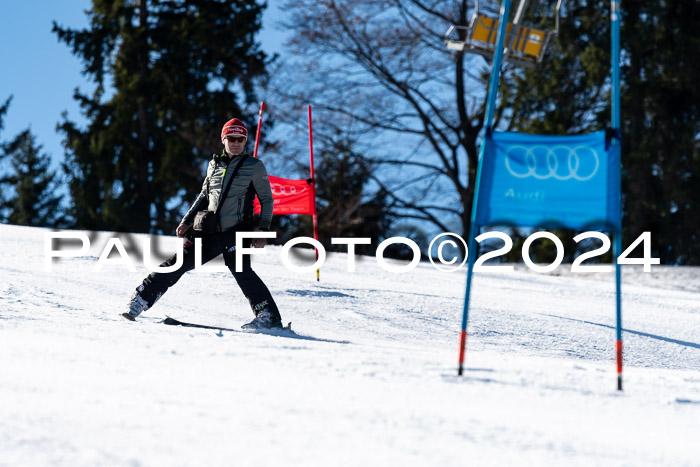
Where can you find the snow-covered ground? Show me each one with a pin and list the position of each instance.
(370, 378)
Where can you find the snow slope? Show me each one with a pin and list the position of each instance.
(369, 380)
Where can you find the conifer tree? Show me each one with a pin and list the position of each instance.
(34, 188)
(167, 75)
(3, 110)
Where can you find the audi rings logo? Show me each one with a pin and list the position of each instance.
(558, 162)
(286, 190)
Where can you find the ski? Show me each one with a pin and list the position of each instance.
(174, 322)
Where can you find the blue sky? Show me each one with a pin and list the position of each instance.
(41, 73)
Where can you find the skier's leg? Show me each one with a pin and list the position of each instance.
(254, 289)
(157, 283)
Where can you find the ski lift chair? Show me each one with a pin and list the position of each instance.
(525, 46)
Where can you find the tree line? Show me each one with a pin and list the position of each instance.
(399, 116)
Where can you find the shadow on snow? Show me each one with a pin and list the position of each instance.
(638, 333)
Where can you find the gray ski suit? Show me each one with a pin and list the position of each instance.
(238, 205)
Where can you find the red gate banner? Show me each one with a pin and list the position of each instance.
(290, 197)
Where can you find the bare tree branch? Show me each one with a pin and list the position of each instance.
(377, 73)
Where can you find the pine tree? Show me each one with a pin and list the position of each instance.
(167, 76)
(3, 110)
(661, 127)
(34, 186)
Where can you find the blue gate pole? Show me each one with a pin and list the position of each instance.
(617, 246)
(473, 228)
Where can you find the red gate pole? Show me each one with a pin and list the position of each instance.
(313, 188)
(257, 133)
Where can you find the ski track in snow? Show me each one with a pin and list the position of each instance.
(370, 379)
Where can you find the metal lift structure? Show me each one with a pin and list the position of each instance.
(525, 45)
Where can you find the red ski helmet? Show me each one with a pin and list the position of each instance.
(234, 127)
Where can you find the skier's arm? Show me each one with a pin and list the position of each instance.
(262, 186)
(199, 203)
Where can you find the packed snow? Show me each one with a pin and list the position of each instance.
(369, 378)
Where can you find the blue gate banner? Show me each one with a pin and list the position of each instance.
(550, 181)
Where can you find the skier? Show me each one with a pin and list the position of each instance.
(224, 207)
